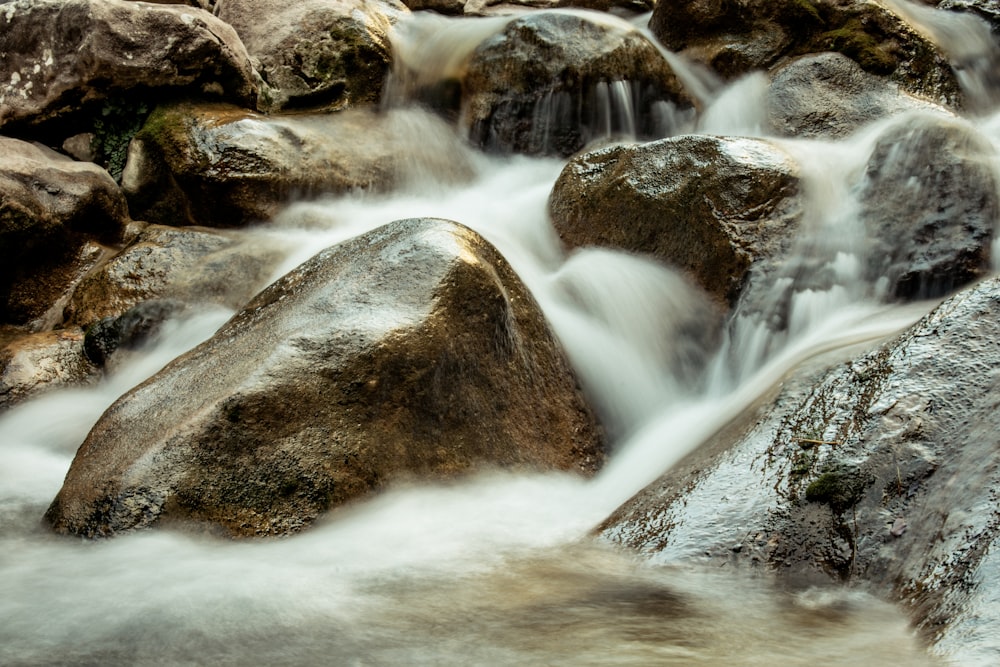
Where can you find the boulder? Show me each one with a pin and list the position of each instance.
(929, 200)
(189, 265)
(221, 166)
(74, 66)
(734, 38)
(552, 81)
(879, 471)
(51, 209)
(830, 95)
(37, 362)
(317, 54)
(711, 206)
(410, 351)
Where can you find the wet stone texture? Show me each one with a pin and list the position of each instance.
(881, 471)
(409, 352)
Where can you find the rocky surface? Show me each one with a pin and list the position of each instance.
(96, 65)
(930, 202)
(38, 362)
(733, 38)
(550, 82)
(51, 209)
(317, 54)
(711, 206)
(830, 95)
(222, 166)
(189, 265)
(410, 351)
(879, 471)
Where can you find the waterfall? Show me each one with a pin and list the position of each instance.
(496, 569)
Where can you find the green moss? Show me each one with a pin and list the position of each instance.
(114, 126)
(840, 487)
(853, 41)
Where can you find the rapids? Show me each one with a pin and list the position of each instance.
(499, 569)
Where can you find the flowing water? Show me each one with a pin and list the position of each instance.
(498, 569)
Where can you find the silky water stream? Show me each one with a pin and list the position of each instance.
(499, 569)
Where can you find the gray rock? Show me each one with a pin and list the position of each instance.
(711, 206)
(830, 95)
(410, 351)
(821, 483)
(930, 203)
(222, 166)
(317, 54)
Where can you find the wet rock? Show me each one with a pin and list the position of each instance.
(221, 166)
(410, 351)
(189, 265)
(874, 471)
(830, 95)
(930, 201)
(79, 61)
(989, 10)
(38, 362)
(734, 38)
(130, 330)
(549, 82)
(317, 54)
(50, 208)
(711, 206)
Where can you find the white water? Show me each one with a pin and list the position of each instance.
(494, 570)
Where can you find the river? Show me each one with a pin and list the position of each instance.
(499, 569)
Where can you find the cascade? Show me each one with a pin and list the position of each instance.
(499, 568)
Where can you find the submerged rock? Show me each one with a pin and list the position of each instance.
(711, 206)
(221, 166)
(188, 265)
(410, 351)
(50, 208)
(877, 471)
(317, 54)
(930, 202)
(549, 82)
(66, 59)
(830, 95)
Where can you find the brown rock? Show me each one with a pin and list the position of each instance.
(413, 350)
(221, 166)
(34, 363)
(317, 54)
(711, 206)
(50, 208)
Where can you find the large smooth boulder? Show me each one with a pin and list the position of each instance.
(711, 206)
(550, 82)
(830, 95)
(189, 265)
(317, 54)
(734, 38)
(221, 166)
(81, 62)
(878, 472)
(410, 351)
(50, 208)
(930, 202)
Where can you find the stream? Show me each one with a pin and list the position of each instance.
(498, 569)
